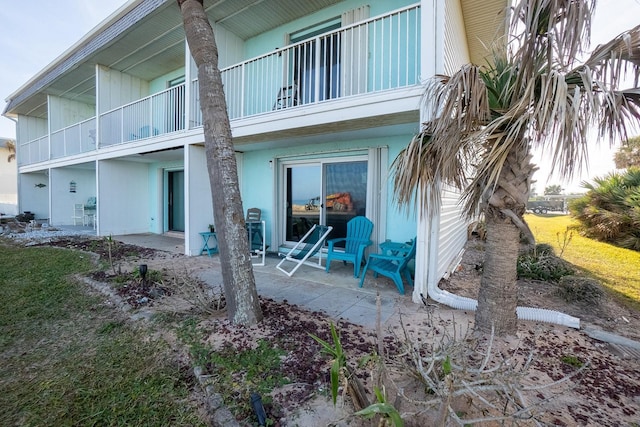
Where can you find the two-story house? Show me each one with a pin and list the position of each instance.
(322, 95)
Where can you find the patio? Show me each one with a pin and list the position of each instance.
(336, 293)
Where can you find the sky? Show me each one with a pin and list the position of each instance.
(35, 32)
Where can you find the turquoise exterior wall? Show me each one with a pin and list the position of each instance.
(269, 41)
(160, 84)
(260, 187)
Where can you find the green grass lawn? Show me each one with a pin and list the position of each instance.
(616, 268)
(67, 358)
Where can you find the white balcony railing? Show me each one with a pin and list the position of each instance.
(74, 139)
(34, 151)
(378, 54)
(154, 115)
(374, 55)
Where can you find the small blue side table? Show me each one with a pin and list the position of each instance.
(212, 248)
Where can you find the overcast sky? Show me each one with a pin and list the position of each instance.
(35, 32)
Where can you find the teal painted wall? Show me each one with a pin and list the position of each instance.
(260, 188)
(160, 84)
(269, 41)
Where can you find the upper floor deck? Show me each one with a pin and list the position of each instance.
(322, 69)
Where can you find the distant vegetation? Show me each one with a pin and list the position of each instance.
(610, 210)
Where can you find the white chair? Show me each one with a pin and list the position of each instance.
(78, 214)
(307, 247)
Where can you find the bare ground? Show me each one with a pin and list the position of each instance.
(605, 392)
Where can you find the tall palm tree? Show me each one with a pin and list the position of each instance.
(243, 305)
(533, 93)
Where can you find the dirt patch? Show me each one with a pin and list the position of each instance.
(603, 388)
(608, 315)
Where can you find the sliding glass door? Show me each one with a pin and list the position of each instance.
(328, 192)
(303, 196)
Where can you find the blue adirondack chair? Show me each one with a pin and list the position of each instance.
(358, 238)
(392, 265)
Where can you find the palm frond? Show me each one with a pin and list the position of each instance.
(532, 94)
(445, 149)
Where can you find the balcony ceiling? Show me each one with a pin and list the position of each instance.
(145, 39)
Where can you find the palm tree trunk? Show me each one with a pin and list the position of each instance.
(498, 297)
(243, 306)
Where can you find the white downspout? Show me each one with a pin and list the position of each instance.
(428, 228)
(464, 303)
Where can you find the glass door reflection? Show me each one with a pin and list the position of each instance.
(303, 197)
(345, 185)
(328, 193)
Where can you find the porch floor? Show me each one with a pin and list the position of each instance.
(336, 293)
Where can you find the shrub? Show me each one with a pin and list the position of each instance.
(578, 289)
(542, 264)
(610, 211)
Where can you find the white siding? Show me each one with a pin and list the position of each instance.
(8, 184)
(230, 47)
(62, 200)
(123, 197)
(453, 232)
(30, 128)
(32, 198)
(456, 52)
(65, 112)
(116, 89)
(199, 205)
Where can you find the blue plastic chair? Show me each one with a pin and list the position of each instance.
(392, 265)
(358, 237)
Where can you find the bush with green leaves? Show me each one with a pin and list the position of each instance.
(542, 264)
(610, 210)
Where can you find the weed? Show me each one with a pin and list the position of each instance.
(542, 264)
(573, 361)
(238, 374)
(111, 244)
(192, 336)
(340, 371)
(563, 242)
(388, 412)
(579, 289)
(339, 359)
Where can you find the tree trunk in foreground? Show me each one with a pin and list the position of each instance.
(243, 306)
(498, 296)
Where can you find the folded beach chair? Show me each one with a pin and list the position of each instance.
(308, 246)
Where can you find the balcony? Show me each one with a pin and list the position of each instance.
(376, 55)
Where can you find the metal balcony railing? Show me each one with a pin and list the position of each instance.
(74, 139)
(158, 114)
(378, 54)
(34, 151)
